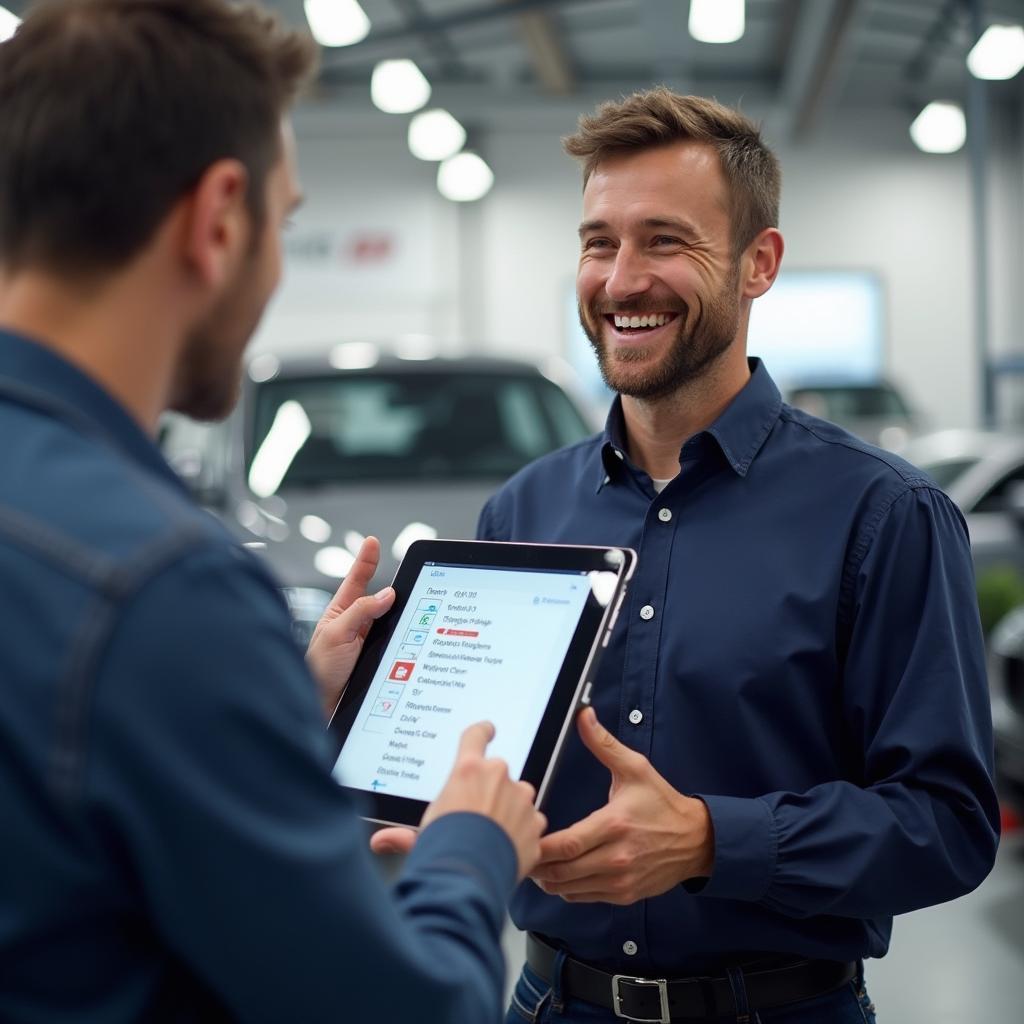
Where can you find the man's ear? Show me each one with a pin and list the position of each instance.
(217, 224)
(760, 263)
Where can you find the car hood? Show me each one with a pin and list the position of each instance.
(451, 508)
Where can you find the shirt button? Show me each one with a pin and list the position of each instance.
(647, 612)
(636, 716)
(665, 514)
(618, 454)
(629, 947)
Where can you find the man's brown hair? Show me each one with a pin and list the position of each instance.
(111, 110)
(659, 117)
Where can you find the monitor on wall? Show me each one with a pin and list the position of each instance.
(820, 325)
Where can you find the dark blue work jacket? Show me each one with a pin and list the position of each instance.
(172, 846)
(801, 648)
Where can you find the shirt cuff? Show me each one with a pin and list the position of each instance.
(473, 845)
(746, 848)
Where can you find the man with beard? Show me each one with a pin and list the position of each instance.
(174, 847)
(795, 716)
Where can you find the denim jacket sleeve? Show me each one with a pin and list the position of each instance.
(208, 781)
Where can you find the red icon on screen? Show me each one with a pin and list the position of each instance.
(401, 671)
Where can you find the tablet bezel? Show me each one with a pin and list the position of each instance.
(571, 690)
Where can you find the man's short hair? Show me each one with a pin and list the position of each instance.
(660, 117)
(111, 110)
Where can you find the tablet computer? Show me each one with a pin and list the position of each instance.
(510, 633)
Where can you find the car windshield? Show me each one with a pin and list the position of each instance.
(394, 426)
(945, 472)
(844, 403)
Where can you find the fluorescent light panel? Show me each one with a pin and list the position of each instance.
(464, 178)
(435, 135)
(8, 24)
(939, 128)
(998, 54)
(337, 22)
(717, 21)
(398, 87)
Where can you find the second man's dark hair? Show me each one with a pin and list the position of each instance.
(111, 110)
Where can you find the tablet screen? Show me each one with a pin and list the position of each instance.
(472, 643)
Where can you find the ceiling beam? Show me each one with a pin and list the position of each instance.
(820, 48)
(550, 60)
(426, 25)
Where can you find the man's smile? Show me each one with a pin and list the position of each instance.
(629, 326)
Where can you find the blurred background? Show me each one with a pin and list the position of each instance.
(425, 342)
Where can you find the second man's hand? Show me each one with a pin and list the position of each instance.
(339, 635)
(648, 837)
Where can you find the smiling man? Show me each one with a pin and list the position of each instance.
(796, 742)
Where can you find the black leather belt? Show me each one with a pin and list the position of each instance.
(661, 1001)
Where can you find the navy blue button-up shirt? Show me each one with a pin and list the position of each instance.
(173, 847)
(813, 670)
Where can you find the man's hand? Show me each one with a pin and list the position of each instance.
(339, 635)
(480, 785)
(645, 840)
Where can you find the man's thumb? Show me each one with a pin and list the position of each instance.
(615, 756)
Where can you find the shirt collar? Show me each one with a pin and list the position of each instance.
(32, 373)
(739, 432)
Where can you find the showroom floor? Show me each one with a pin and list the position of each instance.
(959, 963)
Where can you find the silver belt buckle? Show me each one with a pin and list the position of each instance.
(659, 983)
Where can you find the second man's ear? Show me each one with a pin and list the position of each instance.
(760, 262)
(218, 223)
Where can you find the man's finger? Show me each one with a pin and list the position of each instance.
(393, 840)
(354, 585)
(474, 740)
(573, 842)
(354, 621)
(615, 756)
(573, 886)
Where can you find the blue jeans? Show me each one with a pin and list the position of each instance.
(534, 1001)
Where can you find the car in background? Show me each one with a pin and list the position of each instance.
(323, 451)
(874, 411)
(1006, 679)
(983, 472)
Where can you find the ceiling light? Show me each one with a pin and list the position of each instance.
(717, 21)
(354, 355)
(939, 128)
(435, 135)
(398, 87)
(337, 22)
(8, 24)
(464, 178)
(998, 54)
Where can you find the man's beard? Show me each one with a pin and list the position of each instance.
(695, 347)
(209, 375)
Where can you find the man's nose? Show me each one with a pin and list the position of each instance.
(629, 277)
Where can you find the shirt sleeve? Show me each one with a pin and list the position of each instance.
(209, 787)
(487, 527)
(915, 821)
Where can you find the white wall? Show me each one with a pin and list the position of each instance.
(492, 276)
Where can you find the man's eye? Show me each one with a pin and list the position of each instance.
(596, 243)
(667, 240)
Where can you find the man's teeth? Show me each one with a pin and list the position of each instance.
(653, 320)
